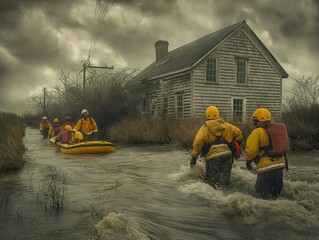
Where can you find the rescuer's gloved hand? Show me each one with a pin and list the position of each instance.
(248, 164)
(192, 162)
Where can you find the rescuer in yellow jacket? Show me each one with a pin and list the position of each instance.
(55, 128)
(45, 127)
(87, 126)
(212, 141)
(269, 169)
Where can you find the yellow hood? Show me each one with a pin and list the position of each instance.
(216, 126)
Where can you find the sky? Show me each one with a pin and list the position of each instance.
(40, 38)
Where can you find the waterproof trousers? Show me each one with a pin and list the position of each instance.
(45, 133)
(269, 184)
(218, 171)
(89, 137)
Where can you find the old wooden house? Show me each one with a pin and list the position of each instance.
(231, 69)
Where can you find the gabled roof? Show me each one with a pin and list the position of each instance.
(187, 56)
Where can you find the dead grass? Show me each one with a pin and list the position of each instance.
(11, 142)
(155, 131)
(303, 134)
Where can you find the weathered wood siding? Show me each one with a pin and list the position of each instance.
(168, 87)
(263, 88)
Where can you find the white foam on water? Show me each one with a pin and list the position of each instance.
(298, 207)
(186, 173)
(119, 226)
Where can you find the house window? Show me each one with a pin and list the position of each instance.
(179, 105)
(241, 71)
(164, 84)
(238, 110)
(211, 70)
(153, 106)
(143, 107)
(165, 105)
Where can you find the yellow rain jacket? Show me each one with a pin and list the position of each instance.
(256, 140)
(55, 127)
(211, 131)
(44, 125)
(86, 126)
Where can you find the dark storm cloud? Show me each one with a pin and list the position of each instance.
(288, 18)
(33, 41)
(3, 70)
(292, 25)
(38, 38)
(135, 41)
(154, 8)
(29, 43)
(316, 25)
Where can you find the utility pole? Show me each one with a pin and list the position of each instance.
(44, 94)
(84, 69)
(84, 73)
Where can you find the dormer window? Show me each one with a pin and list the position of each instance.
(211, 70)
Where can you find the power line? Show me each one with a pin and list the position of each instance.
(99, 24)
(95, 11)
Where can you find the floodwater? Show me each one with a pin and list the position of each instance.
(149, 192)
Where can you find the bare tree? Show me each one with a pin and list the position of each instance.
(43, 101)
(68, 91)
(105, 95)
(305, 93)
(301, 113)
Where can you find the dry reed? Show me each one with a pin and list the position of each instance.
(11, 142)
(155, 131)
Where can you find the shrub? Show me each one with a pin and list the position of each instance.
(53, 188)
(302, 127)
(301, 114)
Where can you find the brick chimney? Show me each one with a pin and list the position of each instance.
(161, 51)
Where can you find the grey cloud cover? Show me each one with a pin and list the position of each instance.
(39, 38)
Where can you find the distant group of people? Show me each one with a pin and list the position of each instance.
(84, 130)
(213, 141)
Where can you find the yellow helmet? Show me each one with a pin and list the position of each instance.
(56, 120)
(68, 128)
(212, 112)
(262, 115)
(79, 136)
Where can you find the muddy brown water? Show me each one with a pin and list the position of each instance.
(149, 192)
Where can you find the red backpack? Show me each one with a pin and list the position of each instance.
(237, 152)
(278, 140)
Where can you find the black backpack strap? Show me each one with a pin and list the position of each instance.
(207, 146)
(286, 162)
